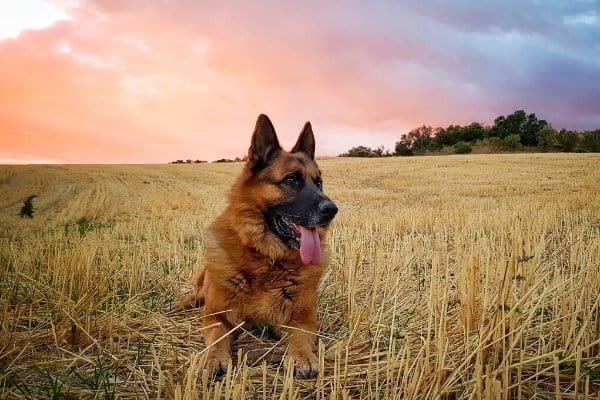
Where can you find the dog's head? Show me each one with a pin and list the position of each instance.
(289, 187)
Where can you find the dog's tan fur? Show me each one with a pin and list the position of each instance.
(249, 274)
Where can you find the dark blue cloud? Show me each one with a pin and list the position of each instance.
(543, 56)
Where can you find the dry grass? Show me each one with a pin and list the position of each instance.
(456, 277)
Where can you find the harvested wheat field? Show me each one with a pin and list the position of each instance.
(450, 277)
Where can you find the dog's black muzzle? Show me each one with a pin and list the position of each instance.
(309, 208)
(327, 209)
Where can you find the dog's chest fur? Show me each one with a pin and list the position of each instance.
(258, 289)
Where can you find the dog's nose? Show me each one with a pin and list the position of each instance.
(328, 208)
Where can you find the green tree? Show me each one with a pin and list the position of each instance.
(512, 142)
(419, 140)
(403, 147)
(546, 138)
(529, 130)
(508, 125)
(446, 136)
(568, 140)
(591, 141)
(471, 133)
(364, 151)
(518, 123)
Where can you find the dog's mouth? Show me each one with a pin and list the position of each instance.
(305, 239)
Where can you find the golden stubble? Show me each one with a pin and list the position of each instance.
(458, 276)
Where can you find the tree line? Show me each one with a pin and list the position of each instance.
(508, 133)
(221, 160)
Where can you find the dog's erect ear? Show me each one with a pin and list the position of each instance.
(306, 142)
(264, 146)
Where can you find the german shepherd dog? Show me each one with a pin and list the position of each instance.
(265, 254)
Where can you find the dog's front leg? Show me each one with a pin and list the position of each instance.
(216, 329)
(217, 339)
(301, 342)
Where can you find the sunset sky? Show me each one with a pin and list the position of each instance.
(154, 81)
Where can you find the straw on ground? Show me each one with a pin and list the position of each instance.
(458, 277)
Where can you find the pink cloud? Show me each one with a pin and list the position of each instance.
(129, 81)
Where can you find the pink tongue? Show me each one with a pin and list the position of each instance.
(310, 246)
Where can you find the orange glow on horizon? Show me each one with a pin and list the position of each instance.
(128, 82)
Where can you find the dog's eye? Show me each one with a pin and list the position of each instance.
(292, 179)
(319, 183)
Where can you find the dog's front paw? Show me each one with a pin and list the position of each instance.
(215, 363)
(306, 366)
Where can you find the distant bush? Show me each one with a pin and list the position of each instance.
(462, 148)
(27, 208)
(230, 160)
(495, 143)
(591, 141)
(364, 151)
(188, 161)
(568, 140)
(546, 138)
(85, 225)
(512, 142)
